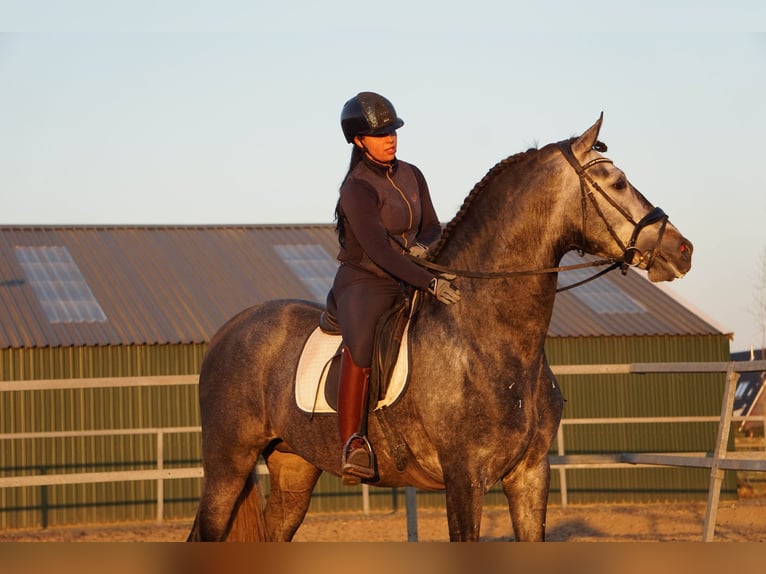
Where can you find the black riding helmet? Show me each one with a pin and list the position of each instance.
(368, 114)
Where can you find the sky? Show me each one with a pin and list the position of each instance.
(188, 112)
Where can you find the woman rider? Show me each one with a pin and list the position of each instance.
(384, 212)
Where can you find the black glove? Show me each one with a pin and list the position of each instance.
(442, 288)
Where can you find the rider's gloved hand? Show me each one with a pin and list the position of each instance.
(418, 250)
(441, 287)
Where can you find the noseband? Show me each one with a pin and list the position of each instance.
(632, 255)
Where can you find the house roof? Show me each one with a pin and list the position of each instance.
(117, 285)
(749, 398)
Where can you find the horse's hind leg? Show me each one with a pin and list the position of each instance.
(227, 486)
(292, 481)
(247, 522)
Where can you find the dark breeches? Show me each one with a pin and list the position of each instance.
(357, 300)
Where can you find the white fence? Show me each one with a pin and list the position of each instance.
(718, 460)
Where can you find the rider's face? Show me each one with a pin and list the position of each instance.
(380, 148)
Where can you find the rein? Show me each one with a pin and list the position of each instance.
(612, 262)
(587, 185)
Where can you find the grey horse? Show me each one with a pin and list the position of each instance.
(482, 404)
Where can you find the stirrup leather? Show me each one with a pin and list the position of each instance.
(358, 460)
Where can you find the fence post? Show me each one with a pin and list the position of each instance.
(160, 481)
(562, 470)
(44, 501)
(721, 447)
(366, 499)
(411, 502)
(394, 500)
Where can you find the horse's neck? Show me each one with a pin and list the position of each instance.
(522, 233)
(517, 220)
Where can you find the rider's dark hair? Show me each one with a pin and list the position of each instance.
(357, 154)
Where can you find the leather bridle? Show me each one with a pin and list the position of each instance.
(587, 187)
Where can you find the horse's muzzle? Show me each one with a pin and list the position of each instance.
(673, 259)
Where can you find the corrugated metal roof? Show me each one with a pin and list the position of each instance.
(620, 305)
(171, 284)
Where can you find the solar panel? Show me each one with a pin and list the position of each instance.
(58, 284)
(310, 263)
(600, 295)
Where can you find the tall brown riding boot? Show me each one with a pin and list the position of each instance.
(358, 460)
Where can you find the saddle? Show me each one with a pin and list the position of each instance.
(389, 333)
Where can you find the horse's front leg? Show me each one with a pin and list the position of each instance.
(526, 488)
(527, 485)
(465, 499)
(292, 481)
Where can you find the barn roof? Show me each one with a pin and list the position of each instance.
(750, 398)
(118, 285)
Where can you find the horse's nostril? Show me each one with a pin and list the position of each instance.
(686, 248)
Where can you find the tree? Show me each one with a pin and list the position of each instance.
(759, 301)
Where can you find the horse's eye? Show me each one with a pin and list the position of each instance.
(620, 184)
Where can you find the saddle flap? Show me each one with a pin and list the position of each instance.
(389, 333)
(317, 374)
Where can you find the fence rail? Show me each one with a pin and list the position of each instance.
(718, 460)
(160, 474)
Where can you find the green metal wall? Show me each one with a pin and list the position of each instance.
(177, 405)
(96, 409)
(107, 361)
(651, 395)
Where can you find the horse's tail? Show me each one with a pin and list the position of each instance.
(194, 534)
(247, 523)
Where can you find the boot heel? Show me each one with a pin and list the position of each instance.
(358, 462)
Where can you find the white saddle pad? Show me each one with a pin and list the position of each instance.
(314, 364)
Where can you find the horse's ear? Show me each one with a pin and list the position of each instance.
(587, 140)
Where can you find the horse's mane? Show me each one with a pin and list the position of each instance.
(490, 176)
